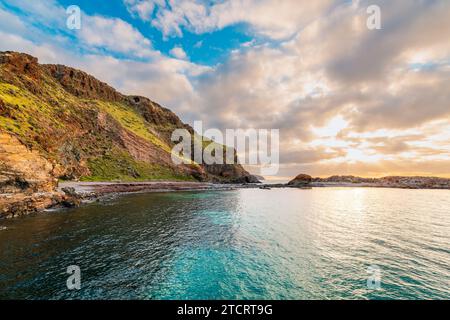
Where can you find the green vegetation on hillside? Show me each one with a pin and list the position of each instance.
(18, 115)
(87, 130)
(31, 118)
(119, 165)
(132, 121)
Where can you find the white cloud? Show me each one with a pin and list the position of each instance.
(11, 42)
(198, 44)
(143, 8)
(305, 83)
(10, 22)
(115, 35)
(332, 68)
(47, 12)
(97, 33)
(178, 53)
(272, 18)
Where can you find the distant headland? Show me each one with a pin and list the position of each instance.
(304, 180)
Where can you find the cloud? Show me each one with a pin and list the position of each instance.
(115, 35)
(308, 155)
(10, 23)
(271, 18)
(388, 89)
(379, 169)
(164, 80)
(45, 22)
(179, 53)
(13, 42)
(108, 48)
(46, 13)
(409, 27)
(297, 86)
(143, 8)
(198, 44)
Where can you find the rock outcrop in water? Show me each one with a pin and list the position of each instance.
(57, 122)
(386, 182)
(301, 180)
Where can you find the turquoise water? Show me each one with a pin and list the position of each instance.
(244, 244)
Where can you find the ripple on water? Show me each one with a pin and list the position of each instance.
(243, 244)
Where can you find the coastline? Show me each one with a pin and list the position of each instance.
(88, 191)
(73, 194)
(375, 185)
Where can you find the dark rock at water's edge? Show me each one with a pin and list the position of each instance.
(300, 180)
(385, 182)
(60, 123)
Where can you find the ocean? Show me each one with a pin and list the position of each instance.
(323, 243)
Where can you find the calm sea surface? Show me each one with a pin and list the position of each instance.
(245, 244)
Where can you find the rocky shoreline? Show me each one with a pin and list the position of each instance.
(72, 194)
(88, 190)
(61, 123)
(20, 204)
(399, 182)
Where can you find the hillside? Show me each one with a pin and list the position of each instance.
(59, 123)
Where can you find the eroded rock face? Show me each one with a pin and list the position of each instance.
(26, 180)
(23, 66)
(64, 123)
(81, 84)
(20, 64)
(23, 170)
(154, 113)
(232, 173)
(59, 122)
(19, 204)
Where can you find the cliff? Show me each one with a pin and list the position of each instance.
(57, 122)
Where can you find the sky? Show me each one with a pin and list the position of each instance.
(346, 99)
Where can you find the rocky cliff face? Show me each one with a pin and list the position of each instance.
(23, 170)
(57, 122)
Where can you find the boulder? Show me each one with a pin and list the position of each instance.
(301, 180)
